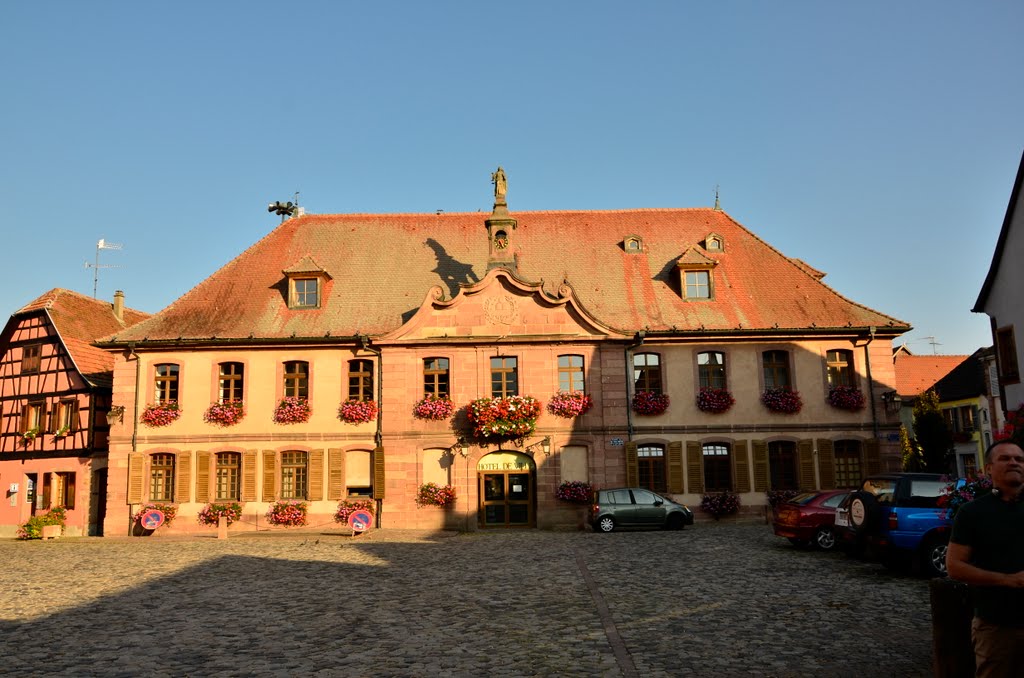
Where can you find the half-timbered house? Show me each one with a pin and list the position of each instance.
(55, 391)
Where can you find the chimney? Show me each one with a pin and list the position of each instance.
(119, 306)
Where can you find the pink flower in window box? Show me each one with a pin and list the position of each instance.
(845, 398)
(570, 404)
(649, 403)
(357, 411)
(783, 400)
(714, 400)
(227, 413)
(292, 410)
(434, 408)
(160, 414)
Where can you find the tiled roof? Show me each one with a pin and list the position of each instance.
(383, 266)
(81, 320)
(915, 374)
(966, 380)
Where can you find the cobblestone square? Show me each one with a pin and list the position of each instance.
(713, 600)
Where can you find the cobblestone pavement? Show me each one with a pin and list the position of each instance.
(712, 600)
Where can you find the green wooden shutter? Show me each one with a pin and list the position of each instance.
(269, 476)
(872, 456)
(694, 467)
(336, 474)
(805, 465)
(826, 464)
(183, 478)
(760, 448)
(136, 468)
(203, 462)
(378, 472)
(632, 472)
(740, 466)
(249, 475)
(675, 467)
(316, 475)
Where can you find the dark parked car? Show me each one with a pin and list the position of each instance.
(809, 518)
(637, 507)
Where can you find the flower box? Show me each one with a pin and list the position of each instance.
(649, 403)
(227, 413)
(292, 410)
(569, 405)
(434, 408)
(714, 400)
(288, 513)
(782, 400)
(50, 531)
(575, 492)
(346, 507)
(509, 417)
(211, 513)
(845, 398)
(720, 504)
(354, 411)
(432, 494)
(161, 414)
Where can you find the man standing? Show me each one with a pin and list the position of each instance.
(986, 550)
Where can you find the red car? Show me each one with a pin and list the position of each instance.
(810, 518)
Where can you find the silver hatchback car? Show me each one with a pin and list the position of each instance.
(636, 507)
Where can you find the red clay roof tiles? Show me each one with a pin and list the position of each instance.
(915, 374)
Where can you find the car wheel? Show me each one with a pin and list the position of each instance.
(825, 539)
(674, 522)
(933, 557)
(606, 524)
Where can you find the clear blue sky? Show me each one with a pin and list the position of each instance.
(878, 141)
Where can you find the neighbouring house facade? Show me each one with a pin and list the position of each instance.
(667, 348)
(1000, 298)
(55, 390)
(970, 405)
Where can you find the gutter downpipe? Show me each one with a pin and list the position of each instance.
(135, 420)
(871, 383)
(629, 372)
(378, 437)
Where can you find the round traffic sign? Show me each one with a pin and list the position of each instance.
(152, 519)
(360, 520)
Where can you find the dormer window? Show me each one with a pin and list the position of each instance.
(696, 275)
(306, 282)
(633, 244)
(714, 243)
(697, 284)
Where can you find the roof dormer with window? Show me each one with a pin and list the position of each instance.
(696, 275)
(307, 281)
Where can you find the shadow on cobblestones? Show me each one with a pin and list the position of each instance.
(713, 600)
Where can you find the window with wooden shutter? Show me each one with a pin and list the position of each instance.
(694, 468)
(203, 472)
(249, 475)
(378, 473)
(741, 466)
(335, 474)
(675, 467)
(783, 471)
(269, 470)
(316, 475)
(632, 471)
(872, 456)
(760, 449)
(805, 452)
(66, 496)
(826, 465)
(184, 490)
(718, 467)
(136, 470)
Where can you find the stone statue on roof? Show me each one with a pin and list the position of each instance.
(500, 185)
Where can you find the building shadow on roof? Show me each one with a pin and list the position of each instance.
(451, 271)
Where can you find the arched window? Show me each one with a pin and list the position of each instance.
(651, 467)
(840, 367)
(847, 457)
(296, 379)
(231, 381)
(782, 465)
(776, 369)
(711, 369)
(166, 383)
(294, 475)
(717, 467)
(360, 379)
(570, 373)
(435, 377)
(161, 477)
(229, 467)
(647, 372)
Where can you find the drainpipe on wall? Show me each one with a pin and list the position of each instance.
(629, 379)
(378, 437)
(135, 419)
(871, 383)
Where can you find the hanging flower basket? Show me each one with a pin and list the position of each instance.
(434, 408)
(507, 417)
(570, 404)
(714, 400)
(169, 511)
(211, 513)
(347, 507)
(287, 513)
(227, 413)
(649, 403)
(292, 410)
(357, 411)
(782, 400)
(432, 494)
(720, 504)
(845, 398)
(160, 414)
(575, 492)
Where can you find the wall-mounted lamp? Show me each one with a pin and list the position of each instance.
(115, 415)
(544, 445)
(459, 448)
(892, 400)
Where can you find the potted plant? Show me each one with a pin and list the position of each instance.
(649, 403)
(292, 410)
(845, 398)
(61, 432)
(45, 526)
(346, 507)
(783, 400)
(354, 411)
(570, 404)
(30, 435)
(433, 408)
(714, 400)
(160, 414)
(720, 504)
(287, 513)
(509, 417)
(432, 494)
(227, 413)
(574, 492)
(211, 513)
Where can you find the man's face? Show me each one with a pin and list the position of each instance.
(1006, 466)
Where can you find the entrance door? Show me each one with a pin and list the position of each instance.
(506, 499)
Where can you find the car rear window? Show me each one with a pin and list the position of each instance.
(803, 498)
(834, 501)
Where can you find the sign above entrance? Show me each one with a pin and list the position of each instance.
(504, 460)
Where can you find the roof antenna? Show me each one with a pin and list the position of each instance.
(718, 207)
(101, 245)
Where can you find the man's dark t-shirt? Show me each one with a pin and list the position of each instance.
(994, 529)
